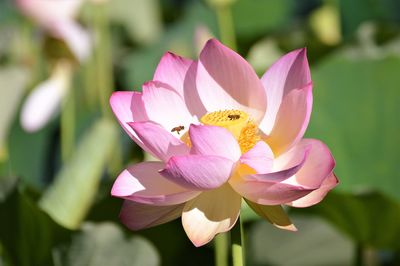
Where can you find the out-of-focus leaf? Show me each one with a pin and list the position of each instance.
(369, 219)
(29, 154)
(257, 17)
(69, 198)
(263, 54)
(383, 10)
(316, 243)
(7, 184)
(140, 66)
(356, 112)
(325, 22)
(27, 233)
(104, 244)
(142, 19)
(13, 81)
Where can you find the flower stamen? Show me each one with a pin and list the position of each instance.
(238, 123)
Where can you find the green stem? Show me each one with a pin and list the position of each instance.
(237, 244)
(226, 28)
(103, 56)
(221, 249)
(68, 126)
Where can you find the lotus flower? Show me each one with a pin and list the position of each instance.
(58, 19)
(221, 135)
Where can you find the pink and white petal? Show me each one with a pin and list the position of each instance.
(317, 195)
(198, 172)
(213, 140)
(166, 107)
(210, 213)
(157, 141)
(172, 71)
(283, 168)
(75, 36)
(127, 106)
(297, 173)
(288, 73)
(275, 214)
(268, 192)
(47, 12)
(318, 165)
(226, 81)
(292, 120)
(44, 102)
(260, 158)
(138, 216)
(142, 183)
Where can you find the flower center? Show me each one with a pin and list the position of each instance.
(238, 123)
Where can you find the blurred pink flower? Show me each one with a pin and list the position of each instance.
(57, 17)
(44, 101)
(247, 143)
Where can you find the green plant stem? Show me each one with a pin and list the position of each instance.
(221, 249)
(237, 244)
(68, 125)
(226, 27)
(103, 56)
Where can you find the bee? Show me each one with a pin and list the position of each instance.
(178, 129)
(233, 117)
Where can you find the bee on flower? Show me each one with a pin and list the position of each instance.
(240, 137)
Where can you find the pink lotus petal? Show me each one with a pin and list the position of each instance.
(179, 74)
(172, 71)
(288, 73)
(297, 173)
(212, 140)
(317, 195)
(138, 216)
(198, 172)
(268, 192)
(157, 141)
(260, 158)
(128, 107)
(276, 215)
(166, 107)
(283, 167)
(226, 81)
(317, 167)
(292, 120)
(142, 183)
(210, 213)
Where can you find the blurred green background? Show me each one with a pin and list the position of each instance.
(55, 203)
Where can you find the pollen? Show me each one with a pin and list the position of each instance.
(233, 120)
(238, 123)
(248, 137)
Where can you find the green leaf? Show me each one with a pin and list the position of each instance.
(104, 244)
(356, 112)
(179, 38)
(315, 243)
(367, 10)
(369, 219)
(255, 18)
(28, 234)
(13, 81)
(69, 198)
(143, 22)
